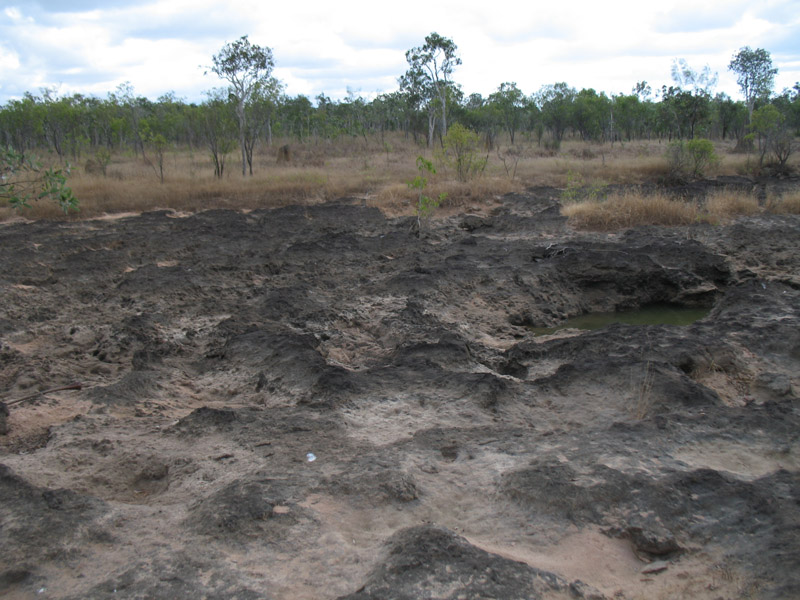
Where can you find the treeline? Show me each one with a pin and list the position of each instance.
(77, 126)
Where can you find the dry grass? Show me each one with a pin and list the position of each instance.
(788, 204)
(725, 205)
(595, 163)
(633, 208)
(377, 171)
(630, 209)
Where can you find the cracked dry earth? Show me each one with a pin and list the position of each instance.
(456, 454)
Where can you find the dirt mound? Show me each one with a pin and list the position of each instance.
(54, 524)
(435, 563)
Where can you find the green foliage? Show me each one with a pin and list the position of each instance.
(460, 150)
(70, 126)
(428, 77)
(755, 74)
(556, 105)
(425, 204)
(508, 103)
(248, 69)
(578, 191)
(774, 136)
(590, 114)
(103, 158)
(692, 158)
(23, 179)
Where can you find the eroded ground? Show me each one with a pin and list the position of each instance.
(456, 455)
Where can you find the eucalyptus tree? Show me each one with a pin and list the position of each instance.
(420, 95)
(591, 113)
(217, 124)
(388, 111)
(484, 116)
(21, 123)
(770, 128)
(629, 113)
(295, 116)
(691, 96)
(247, 68)
(260, 108)
(755, 75)
(556, 103)
(509, 103)
(788, 102)
(430, 67)
(130, 111)
(731, 116)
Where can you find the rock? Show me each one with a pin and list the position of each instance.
(772, 386)
(658, 566)
(472, 222)
(654, 541)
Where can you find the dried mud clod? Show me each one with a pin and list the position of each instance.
(433, 562)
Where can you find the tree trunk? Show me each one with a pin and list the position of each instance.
(242, 142)
(444, 115)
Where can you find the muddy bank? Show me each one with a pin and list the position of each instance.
(313, 402)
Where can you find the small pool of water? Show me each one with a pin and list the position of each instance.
(653, 314)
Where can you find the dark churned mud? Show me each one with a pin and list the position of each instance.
(313, 402)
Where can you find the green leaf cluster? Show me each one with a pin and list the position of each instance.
(460, 150)
(425, 204)
(691, 159)
(23, 179)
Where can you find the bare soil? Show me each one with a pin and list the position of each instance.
(316, 402)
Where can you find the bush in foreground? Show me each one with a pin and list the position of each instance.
(691, 159)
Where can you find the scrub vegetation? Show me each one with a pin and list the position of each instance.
(127, 153)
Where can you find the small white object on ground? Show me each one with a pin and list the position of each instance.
(310, 457)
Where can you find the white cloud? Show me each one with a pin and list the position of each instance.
(90, 46)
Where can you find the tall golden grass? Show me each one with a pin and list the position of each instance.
(788, 204)
(634, 207)
(629, 209)
(376, 171)
(725, 205)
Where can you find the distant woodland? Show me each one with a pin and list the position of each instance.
(258, 112)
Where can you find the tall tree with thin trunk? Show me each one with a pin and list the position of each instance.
(756, 75)
(247, 68)
(434, 62)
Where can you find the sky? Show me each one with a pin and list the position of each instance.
(338, 47)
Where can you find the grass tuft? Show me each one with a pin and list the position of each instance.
(725, 205)
(788, 204)
(629, 209)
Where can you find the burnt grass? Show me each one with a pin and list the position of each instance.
(318, 402)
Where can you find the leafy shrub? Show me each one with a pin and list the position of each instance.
(23, 179)
(692, 158)
(425, 204)
(774, 135)
(460, 151)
